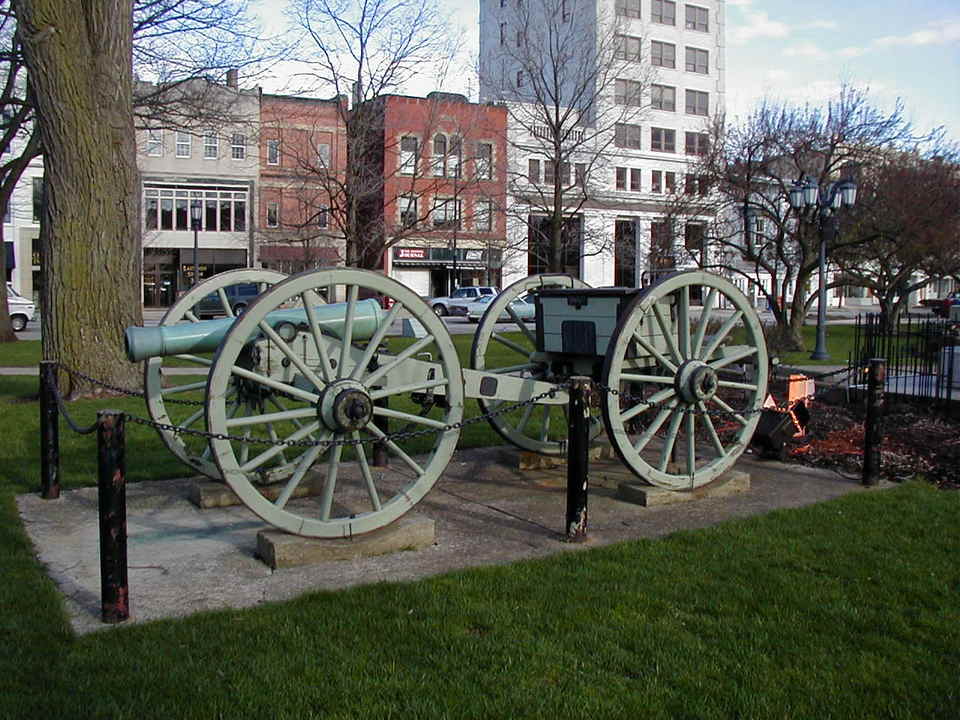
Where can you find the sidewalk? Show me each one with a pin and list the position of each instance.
(184, 560)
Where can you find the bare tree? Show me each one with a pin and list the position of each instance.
(79, 58)
(907, 219)
(574, 84)
(754, 165)
(365, 51)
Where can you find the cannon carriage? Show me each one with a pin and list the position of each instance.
(326, 364)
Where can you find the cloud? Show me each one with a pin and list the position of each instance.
(805, 49)
(851, 52)
(819, 25)
(758, 25)
(946, 33)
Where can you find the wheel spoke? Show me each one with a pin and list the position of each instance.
(683, 321)
(408, 417)
(291, 355)
(191, 317)
(740, 419)
(671, 438)
(310, 299)
(691, 445)
(186, 387)
(225, 302)
(515, 368)
(722, 333)
(711, 430)
(272, 432)
(375, 341)
(657, 379)
(652, 429)
(275, 384)
(195, 359)
(525, 418)
(279, 406)
(729, 359)
(658, 356)
(367, 475)
(511, 344)
(379, 434)
(545, 429)
(521, 324)
(667, 333)
(276, 417)
(348, 329)
(736, 385)
(303, 464)
(326, 496)
(272, 452)
(397, 359)
(657, 398)
(705, 315)
(192, 419)
(403, 389)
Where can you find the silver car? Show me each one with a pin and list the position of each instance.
(523, 306)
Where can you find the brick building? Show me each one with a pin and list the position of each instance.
(440, 205)
(303, 155)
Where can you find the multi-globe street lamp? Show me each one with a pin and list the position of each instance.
(195, 211)
(828, 199)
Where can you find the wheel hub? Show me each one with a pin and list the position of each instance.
(345, 406)
(696, 381)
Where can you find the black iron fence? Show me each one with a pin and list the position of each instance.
(922, 353)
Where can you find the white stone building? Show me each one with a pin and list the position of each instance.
(671, 68)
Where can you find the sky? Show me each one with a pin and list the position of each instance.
(802, 52)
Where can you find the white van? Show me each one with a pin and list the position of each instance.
(21, 309)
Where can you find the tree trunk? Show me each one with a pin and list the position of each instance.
(78, 55)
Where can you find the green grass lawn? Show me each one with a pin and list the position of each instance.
(848, 609)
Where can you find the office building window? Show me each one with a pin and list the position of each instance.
(155, 143)
(323, 155)
(439, 154)
(693, 237)
(697, 18)
(549, 175)
(484, 161)
(635, 184)
(696, 143)
(670, 181)
(663, 97)
(184, 144)
(446, 213)
(656, 181)
(628, 48)
(627, 136)
(698, 103)
(519, 78)
(453, 157)
(621, 174)
(663, 12)
(628, 8)
(238, 146)
(628, 92)
(273, 152)
(211, 146)
(322, 218)
(580, 174)
(37, 198)
(533, 171)
(408, 155)
(483, 219)
(663, 54)
(698, 61)
(408, 211)
(503, 33)
(520, 38)
(168, 208)
(663, 140)
(273, 215)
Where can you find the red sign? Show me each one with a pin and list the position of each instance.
(411, 253)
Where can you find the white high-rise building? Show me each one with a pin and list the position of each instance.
(644, 78)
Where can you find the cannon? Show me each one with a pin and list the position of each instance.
(315, 371)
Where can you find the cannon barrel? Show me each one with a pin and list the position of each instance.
(205, 336)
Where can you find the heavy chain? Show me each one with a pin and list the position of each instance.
(121, 390)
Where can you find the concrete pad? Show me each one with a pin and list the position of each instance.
(183, 560)
(206, 493)
(279, 549)
(730, 483)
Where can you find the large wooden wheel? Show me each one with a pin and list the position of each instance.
(511, 349)
(190, 449)
(331, 387)
(688, 398)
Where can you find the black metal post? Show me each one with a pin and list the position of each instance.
(49, 432)
(196, 250)
(112, 504)
(873, 427)
(380, 456)
(827, 225)
(578, 445)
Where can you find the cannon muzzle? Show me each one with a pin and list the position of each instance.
(205, 336)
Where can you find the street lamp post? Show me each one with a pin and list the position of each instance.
(195, 211)
(806, 196)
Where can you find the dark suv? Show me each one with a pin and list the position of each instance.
(238, 296)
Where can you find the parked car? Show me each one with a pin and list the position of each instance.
(238, 297)
(942, 307)
(456, 303)
(21, 309)
(523, 306)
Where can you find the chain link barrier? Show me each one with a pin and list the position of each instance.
(403, 435)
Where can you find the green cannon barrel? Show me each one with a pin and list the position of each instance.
(205, 336)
